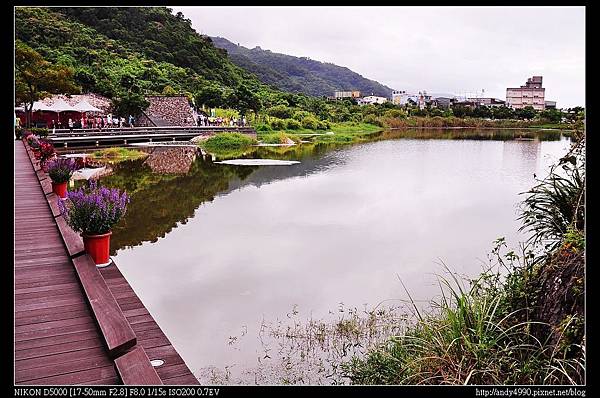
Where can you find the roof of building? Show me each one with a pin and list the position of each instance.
(96, 100)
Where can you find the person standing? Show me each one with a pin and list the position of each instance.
(130, 120)
(244, 121)
(70, 125)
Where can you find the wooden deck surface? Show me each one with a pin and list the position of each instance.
(57, 340)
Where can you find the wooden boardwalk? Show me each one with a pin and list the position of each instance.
(125, 135)
(57, 338)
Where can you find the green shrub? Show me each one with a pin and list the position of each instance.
(395, 113)
(227, 141)
(278, 124)
(293, 124)
(280, 112)
(299, 115)
(323, 125)
(278, 138)
(310, 122)
(371, 119)
(263, 127)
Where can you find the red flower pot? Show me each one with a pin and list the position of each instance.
(60, 189)
(98, 247)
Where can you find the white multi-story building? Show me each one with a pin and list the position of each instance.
(531, 94)
(403, 97)
(346, 94)
(371, 99)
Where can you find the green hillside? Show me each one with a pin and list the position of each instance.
(125, 53)
(299, 74)
(113, 48)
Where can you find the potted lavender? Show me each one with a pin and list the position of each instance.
(60, 171)
(93, 211)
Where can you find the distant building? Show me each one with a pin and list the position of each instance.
(444, 102)
(423, 99)
(550, 104)
(372, 99)
(531, 94)
(346, 94)
(403, 97)
(467, 104)
(491, 102)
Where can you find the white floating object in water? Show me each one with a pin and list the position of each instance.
(329, 133)
(86, 173)
(261, 144)
(259, 162)
(75, 155)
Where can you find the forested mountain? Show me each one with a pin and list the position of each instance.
(126, 53)
(299, 74)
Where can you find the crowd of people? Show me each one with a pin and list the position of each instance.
(204, 120)
(94, 122)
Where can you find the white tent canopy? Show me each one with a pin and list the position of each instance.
(60, 105)
(40, 106)
(85, 106)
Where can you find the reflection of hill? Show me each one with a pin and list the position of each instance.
(156, 208)
(159, 202)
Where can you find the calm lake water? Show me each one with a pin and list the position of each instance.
(214, 252)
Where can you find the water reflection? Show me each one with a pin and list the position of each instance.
(236, 244)
(166, 160)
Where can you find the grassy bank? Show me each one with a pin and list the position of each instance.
(227, 142)
(115, 155)
(441, 122)
(346, 132)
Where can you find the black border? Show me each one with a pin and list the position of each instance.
(348, 391)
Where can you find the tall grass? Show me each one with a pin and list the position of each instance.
(439, 121)
(557, 203)
(473, 334)
(502, 328)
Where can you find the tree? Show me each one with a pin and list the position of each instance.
(36, 78)
(129, 103)
(243, 99)
(502, 112)
(552, 115)
(168, 90)
(210, 95)
(482, 111)
(527, 113)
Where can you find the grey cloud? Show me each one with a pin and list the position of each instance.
(440, 49)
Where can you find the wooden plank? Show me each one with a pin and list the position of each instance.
(81, 377)
(56, 369)
(46, 186)
(73, 241)
(62, 357)
(54, 340)
(116, 330)
(58, 348)
(41, 175)
(134, 368)
(53, 202)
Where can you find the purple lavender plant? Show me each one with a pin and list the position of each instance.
(60, 169)
(94, 210)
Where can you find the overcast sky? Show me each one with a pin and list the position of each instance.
(439, 49)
